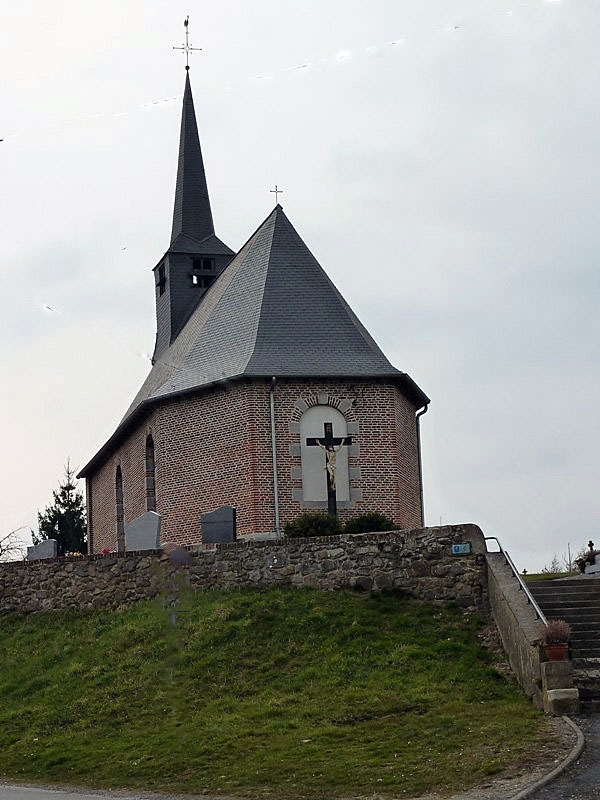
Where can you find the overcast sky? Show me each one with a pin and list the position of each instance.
(441, 159)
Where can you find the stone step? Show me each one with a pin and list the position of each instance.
(566, 591)
(588, 678)
(589, 706)
(586, 694)
(564, 595)
(575, 604)
(591, 624)
(586, 664)
(578, 625)
(587, 641)
(570, 614)
(588, 584)
(578, 652)
(578, 602)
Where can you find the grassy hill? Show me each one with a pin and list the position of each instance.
(286, 693)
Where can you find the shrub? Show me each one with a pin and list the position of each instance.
(557, 631)
(369, 523)
(312, 523)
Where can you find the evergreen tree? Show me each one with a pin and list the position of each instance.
(64, 519)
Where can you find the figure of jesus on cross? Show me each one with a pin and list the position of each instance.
(331, 445)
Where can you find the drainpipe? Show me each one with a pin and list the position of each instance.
(418, 419)
(274, 453)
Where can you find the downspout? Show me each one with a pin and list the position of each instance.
(88, 513)
(418, 419)
(274, 454)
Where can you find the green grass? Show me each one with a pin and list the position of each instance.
(548, 576)
(286, 693)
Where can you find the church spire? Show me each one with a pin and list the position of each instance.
(192, 215)
(195, 257)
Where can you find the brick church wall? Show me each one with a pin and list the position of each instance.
(101, 488)
(386, 439)
(214, 449)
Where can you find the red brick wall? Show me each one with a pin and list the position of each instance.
(101, 488)
(214, 449)
(387, 442)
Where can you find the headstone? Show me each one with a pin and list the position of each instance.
(143, 533)
(46, 549)
(218, 527)
(175, 553)
(592, 569)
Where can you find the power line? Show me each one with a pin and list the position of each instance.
(51, 128)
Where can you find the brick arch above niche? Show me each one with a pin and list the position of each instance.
(345, 405)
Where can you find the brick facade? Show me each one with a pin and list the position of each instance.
(213, 448)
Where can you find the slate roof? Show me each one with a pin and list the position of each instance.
(192, 215)
(272, 312)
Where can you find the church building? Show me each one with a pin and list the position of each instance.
(266, 392)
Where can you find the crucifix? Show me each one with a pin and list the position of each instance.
(329, 443)
(276, 191)
(186, 47)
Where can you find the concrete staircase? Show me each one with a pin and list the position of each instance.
(577, 600)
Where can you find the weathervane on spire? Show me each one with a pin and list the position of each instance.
(186, 47)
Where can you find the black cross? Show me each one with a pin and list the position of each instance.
(276, 191)
(329, 441)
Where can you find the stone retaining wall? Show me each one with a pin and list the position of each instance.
(417, 561)
(519, 628)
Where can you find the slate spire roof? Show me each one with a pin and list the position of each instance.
(192, 215)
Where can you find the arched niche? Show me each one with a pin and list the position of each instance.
(320, 457)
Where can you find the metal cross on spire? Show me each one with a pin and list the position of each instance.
(276, 191)
(186, 47)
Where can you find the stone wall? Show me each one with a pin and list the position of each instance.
(519, 628)
(418, 562)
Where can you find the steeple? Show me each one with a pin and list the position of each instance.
(192, 215)
(195, 256)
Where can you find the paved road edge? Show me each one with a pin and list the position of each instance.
(565, 764)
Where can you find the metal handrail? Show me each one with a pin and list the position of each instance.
(522, 585)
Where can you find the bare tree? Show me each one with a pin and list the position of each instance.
(11, 547)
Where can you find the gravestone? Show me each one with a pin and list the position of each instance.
(143, 533)
(218, 527)
(46, 549)
(175, 553)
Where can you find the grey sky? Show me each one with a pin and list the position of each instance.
(440, 158)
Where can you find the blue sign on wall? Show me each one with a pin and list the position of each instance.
(461, 549)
